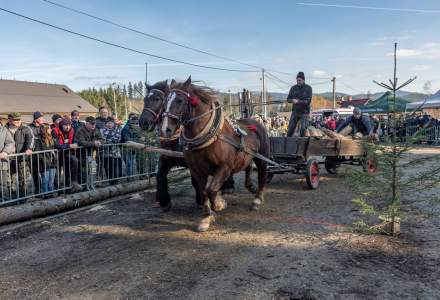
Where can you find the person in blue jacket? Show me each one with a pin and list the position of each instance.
(358, 122)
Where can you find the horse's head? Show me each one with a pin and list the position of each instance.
(154, 102)
(185, 101)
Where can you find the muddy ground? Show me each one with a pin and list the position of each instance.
(297, 247)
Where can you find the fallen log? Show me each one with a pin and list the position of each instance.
(152, 149)
(333, 134)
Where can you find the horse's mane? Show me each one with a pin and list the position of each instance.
(160, 85)
(204, 93)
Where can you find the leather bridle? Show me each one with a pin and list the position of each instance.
(156, 115)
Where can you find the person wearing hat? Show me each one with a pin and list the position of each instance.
(89, 138)
(300, 95)
(63, 136)
(356, 124)
(7, 147)
(56, 119)
(24, 143)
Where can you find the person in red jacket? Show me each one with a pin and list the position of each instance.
(63, 137)
(330, 123)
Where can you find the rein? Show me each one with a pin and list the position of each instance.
(210, 131)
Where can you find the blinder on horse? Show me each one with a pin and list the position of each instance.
(211, 130)
(157, 115)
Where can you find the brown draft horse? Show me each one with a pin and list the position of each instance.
(213, 150)
(154, 104)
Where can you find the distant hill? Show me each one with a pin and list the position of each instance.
(329, 95)
(410, 96)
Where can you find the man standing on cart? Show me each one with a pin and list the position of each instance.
(300, 95)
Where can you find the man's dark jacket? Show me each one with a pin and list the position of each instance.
(100, 122)
(36, 132)
(362, 124)
(86, 138)
(304, 95)
(24, 139)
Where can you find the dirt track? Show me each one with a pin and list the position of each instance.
(296, 247)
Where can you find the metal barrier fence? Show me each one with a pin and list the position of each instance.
(45, 173)
(429, 135)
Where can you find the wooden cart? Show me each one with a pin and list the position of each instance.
(303, 155)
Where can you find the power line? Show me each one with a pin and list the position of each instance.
(289, 84)
(146, 34)
(120, 46)
(280, 80)
(159, 38)
(275, 82)
(351, 88)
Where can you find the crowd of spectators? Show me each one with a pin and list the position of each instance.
(55, 155)
(277, 125)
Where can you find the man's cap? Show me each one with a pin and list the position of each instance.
(91, 120)
(131, 115)
(37, 115)
(74, 113)
(56, 117)
(301, 75)
(65, 122)
(357, 111)
(14, 116)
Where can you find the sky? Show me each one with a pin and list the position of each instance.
(352, 40)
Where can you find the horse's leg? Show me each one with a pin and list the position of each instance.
(248, 181)
(228, 185)
(262, 178)
(212, 197)
(162, 194)
(199, 198)
(207, 214)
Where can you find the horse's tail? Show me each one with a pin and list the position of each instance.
(264, 140)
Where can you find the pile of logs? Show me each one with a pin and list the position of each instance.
(324, 133)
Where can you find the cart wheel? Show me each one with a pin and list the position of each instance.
(312, 174)
(269, 177)
(370, 166)
(331, 166)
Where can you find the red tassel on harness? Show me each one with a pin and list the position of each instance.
(252, 128)
(194, 100)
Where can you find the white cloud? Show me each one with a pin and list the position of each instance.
(320, 73)
(426, 51)
(421, 68)
(376, 44)
(406, 53)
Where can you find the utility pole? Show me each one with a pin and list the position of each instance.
(334, 92)
(126, 108)
(114, 100)
(230, 102)
(146, 74)
(263, 94)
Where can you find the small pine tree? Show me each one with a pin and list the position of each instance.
(399, 173)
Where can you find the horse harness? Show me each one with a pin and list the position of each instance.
(156, 115)
(212, 131)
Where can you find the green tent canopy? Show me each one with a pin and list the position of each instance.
(384, 104)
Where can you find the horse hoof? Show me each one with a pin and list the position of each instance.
(219, 204)
(204, 224)
(167, 207)
(256, 204)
